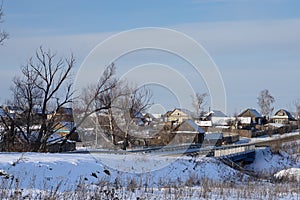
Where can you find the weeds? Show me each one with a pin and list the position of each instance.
(207, 189)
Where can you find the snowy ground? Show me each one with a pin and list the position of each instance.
(41, 171)
(244, 140)
(151, 176)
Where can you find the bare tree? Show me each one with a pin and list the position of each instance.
(115, 103)
(198, 101)
(265, 101)
(44, 86)
(27, 96)
(128, 109)
(297, 112)
(98, 98)
(3, 34)
(297, 109)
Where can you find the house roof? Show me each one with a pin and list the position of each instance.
(38, 110)
(215, 113)
(186, 111)
(14, 109)
(66, 111)
(287, 114)
(168, 113)
(189, 125)
(213, 136)
(149, 115)
(253, 112)
(66, 125)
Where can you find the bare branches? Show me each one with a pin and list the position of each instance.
(198, 101)
(3, 34)
(297, 108)
(43, 86)
(140, 100)
(128, 109)
(99, 97)
(265, 101)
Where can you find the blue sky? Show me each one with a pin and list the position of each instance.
(254, 43)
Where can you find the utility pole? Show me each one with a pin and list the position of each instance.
(96, 133)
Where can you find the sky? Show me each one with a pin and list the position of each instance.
(255, 44)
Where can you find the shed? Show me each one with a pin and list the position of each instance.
(189, 131)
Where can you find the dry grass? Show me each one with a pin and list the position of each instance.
(193, 188)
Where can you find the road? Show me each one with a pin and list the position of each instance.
(192, 149)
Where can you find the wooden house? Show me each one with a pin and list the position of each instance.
(283, 117)
(64, 128)
(64, 120)
(214, 113)
(212, 139)
(217, 118)
(188, 132)
(63, 114)
(178, 115)
(13, 112)
(255, 118)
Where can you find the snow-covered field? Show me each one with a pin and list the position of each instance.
(128, 176)
(42, 171)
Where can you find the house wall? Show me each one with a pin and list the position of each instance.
(254, 119)
(179, 116)
(229, 137)
(57, 147)
(280, 120)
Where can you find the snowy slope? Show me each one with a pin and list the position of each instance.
(43, 171)
(285, 163)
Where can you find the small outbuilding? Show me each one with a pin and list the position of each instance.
(189, 132)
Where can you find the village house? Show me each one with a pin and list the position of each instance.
(217, 118)
(283, 117)
(12, 111)
(214, 113)
(63, 114)
(150, 117)
(188, 132)
(251, 116)
(212, 139)
(64, 128)
(178, 115)
(64, 120)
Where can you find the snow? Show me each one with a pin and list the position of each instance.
(203, 123)
(37, 172)
(165, 176)
(270, 163)
(221, 121)
(215, 113)
(291, 173)
(43, 170)
(275, 136)
(277, 125)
